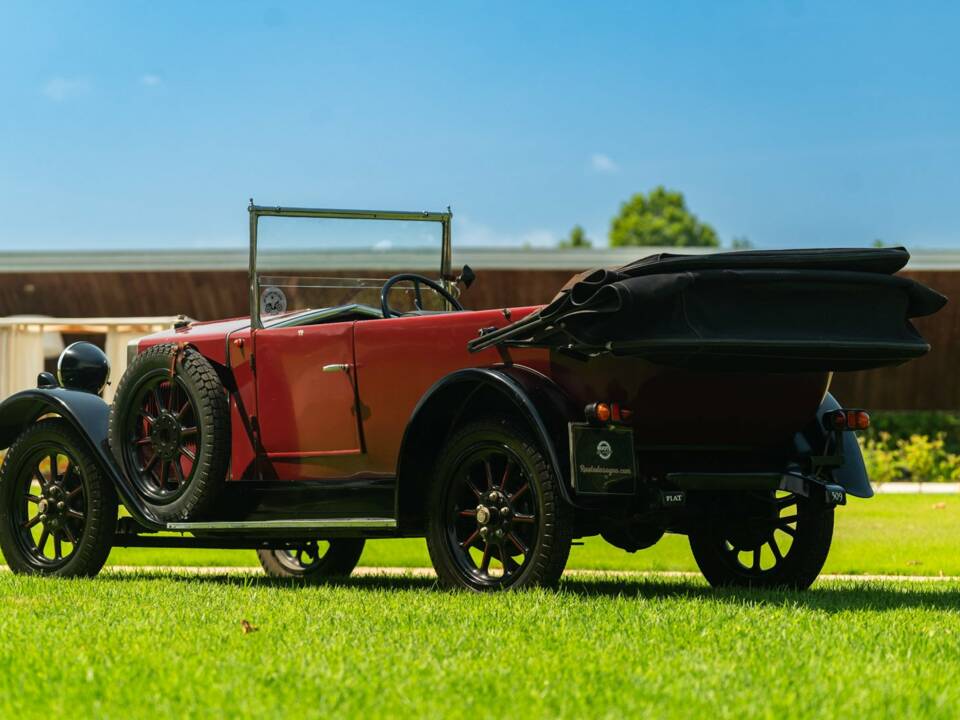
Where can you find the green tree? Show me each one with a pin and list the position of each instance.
(578, 239)
(741, 242)
(660, 219)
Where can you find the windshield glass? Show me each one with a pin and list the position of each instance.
(306, 263)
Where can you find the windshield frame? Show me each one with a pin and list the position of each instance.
(258, 211)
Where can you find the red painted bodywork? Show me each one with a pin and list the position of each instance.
(323, 425)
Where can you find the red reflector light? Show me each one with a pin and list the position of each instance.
(847, 420)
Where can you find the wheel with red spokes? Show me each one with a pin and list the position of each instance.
(169, 427)
(779, 539)
(494, 518)
(58, 512)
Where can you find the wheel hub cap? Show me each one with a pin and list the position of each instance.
(53, 506)
(493, 516)
(165, 435)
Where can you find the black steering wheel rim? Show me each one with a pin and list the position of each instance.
(417, 281)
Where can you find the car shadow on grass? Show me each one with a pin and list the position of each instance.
(831, 597)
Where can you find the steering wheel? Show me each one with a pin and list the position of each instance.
(417, 281)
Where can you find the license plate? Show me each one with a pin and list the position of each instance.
(602, 460)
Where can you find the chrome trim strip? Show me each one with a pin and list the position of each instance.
(284, 524)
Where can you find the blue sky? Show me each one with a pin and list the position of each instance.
(790, 123)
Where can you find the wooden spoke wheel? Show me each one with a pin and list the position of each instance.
(495, 520)
(313, 561)
(781, 540)
(163, 438)
(58, 512)
(170, 430)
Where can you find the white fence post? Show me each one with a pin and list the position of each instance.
(22, 346)
(21, 357)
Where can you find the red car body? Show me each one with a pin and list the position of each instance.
(316, 425)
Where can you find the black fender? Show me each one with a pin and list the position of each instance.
(852, 474)
(89, 415)
(534, 398)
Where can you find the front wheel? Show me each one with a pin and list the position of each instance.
(314, 561)
(58, 512)
(780, 540)
(495, 520)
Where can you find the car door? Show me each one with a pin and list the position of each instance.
(306, 391)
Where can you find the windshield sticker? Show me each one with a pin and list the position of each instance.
(272, 301)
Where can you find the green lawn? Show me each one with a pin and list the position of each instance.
(148, 645)
(125, 646)
(888, 534)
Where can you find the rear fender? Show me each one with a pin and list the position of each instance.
(89, 415)
(527, 395)
(852, 474)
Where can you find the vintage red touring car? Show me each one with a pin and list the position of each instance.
(684, 394)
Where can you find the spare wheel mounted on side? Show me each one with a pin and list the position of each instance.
(170, 430)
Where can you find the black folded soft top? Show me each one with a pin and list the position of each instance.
(779, 310)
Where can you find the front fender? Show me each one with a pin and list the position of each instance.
(852, 475)
(90, 417)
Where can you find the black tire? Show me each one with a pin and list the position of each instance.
(172, 437)
(314, 562)
(74, 506)
(785, 546)
(492, 476)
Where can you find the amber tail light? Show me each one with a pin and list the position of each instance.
(599, 413)
(846, 419)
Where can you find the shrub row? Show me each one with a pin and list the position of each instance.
(902, 425)
(918, 458)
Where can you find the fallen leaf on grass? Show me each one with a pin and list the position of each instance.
(247, 627)
(939, 506)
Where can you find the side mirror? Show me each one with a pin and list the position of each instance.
(466, 276)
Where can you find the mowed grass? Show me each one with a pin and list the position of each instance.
(148, 646)
(887, 534)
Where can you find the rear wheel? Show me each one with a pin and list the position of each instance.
(495, 520)
(58, 512)
(313, 561)
(782, 540)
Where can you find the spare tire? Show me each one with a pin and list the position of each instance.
(170, 431)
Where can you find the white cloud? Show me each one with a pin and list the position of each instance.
(59, 89)
(151, 80)
(469, 233)
(601, 163)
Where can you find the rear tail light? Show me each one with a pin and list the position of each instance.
(846, 420)
(620, 414)
(599, 413)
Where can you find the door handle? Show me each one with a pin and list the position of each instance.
(337, 367)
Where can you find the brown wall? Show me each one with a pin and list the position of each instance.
(928, 383)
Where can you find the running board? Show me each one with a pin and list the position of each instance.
(359, 523)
